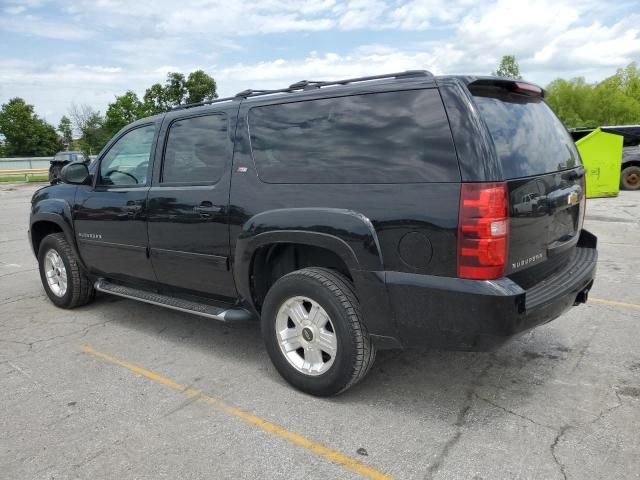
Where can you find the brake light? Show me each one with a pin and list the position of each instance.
(483, 228)
(527, 89)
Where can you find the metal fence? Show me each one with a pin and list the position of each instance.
(17, 163)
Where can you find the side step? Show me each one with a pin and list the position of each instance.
(235, 314)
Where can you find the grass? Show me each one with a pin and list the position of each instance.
(24, 178)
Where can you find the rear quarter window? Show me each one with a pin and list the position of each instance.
(529, 139)
(390, 137)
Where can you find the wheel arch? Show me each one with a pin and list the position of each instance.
(348, 242)
(45, 223)
(630, 163)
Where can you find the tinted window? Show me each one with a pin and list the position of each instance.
(196, 151)
(391, 137)
(529, 138)
(127, 161)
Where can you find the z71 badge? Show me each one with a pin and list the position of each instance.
(90, 236)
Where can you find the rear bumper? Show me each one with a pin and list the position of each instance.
(453, 313)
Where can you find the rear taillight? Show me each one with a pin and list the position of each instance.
(483, 228)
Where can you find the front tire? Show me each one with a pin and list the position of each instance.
(63, 280)
(313, 330)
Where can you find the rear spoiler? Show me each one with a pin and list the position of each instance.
(515, 86)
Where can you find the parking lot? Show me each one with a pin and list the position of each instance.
(120, 389)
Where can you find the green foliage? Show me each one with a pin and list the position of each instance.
(613, 101)
(96, 130)
(64, 127)
(177, 90)
(125, 109)
(508, 68)
(25, 134)
(94, 134)
(91, 124)
(200, 87)
(155, 100)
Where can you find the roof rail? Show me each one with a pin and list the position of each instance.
(199, 104)
(310, 84)
(307, 85)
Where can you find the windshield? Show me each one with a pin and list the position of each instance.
(529, 138)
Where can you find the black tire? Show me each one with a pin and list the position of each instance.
(630, 178)
(335, 293)
(79, 289)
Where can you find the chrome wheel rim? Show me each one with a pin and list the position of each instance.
(56, 273)
(306, 335)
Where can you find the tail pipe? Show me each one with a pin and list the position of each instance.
(583, 295)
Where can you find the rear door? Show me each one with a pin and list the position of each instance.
(188, 205)
(544, 175)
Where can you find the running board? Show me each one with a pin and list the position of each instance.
(235, 314)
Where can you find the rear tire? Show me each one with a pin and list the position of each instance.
(344, 351)
(630, 178)
(63, 280)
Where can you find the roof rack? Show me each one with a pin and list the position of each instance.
(199, 104)
(308, 85)
(311, 84)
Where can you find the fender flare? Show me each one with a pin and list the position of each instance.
(347, 233)
(58, 212)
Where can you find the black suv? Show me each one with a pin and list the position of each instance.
(380, 212)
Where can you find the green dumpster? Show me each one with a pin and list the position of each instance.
(601, 154)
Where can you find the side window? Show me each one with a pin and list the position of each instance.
(197, 150)
(388, 137)
(126, 163)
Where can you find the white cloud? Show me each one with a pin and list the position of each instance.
(143, 40)
(15, 9)
(36, 26)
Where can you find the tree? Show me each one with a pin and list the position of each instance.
(155, 100)
(25, 134)
(177, 90)
(125, 109)
(65, 130)
(508, 68)
(613, 101)
(200, 87)
(91, 126)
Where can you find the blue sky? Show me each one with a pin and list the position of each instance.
(53, 53)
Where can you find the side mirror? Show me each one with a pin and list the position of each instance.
(75, 173)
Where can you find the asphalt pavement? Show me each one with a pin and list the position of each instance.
(120, 389)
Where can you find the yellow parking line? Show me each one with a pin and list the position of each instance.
(613, 302)
(317, 448)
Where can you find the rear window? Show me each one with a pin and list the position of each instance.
(390, 137)
(529, 138)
